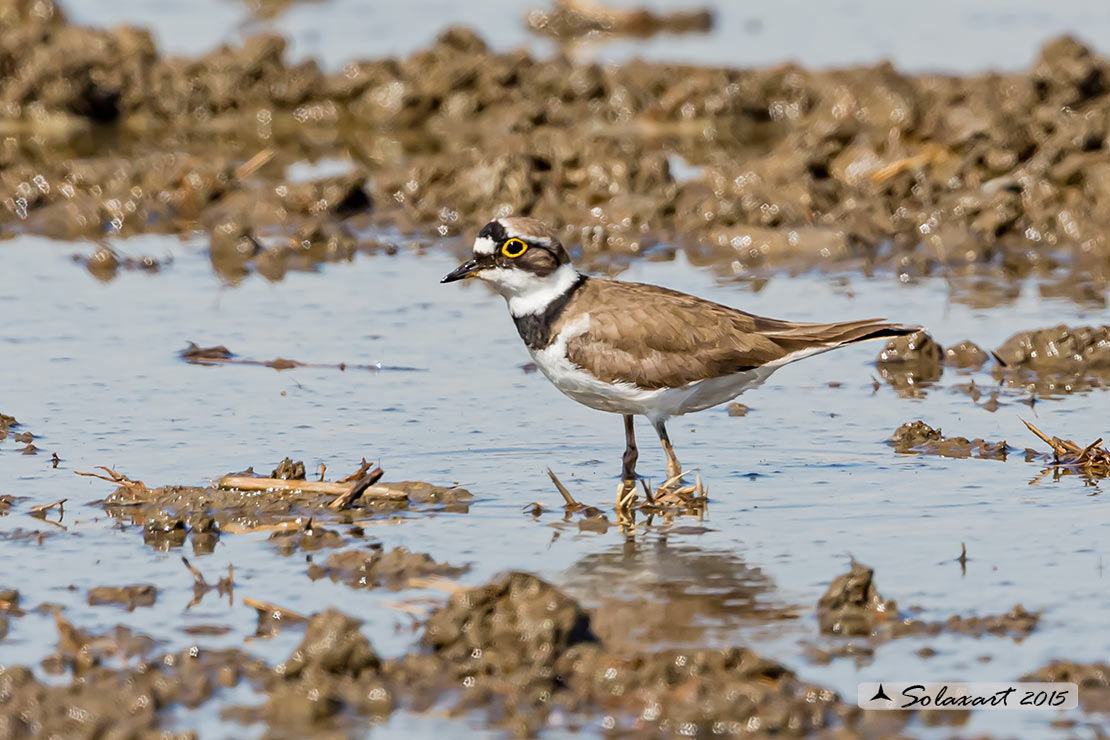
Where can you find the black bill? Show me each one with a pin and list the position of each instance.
(465, 270)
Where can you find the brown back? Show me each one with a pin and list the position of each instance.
(654, 337)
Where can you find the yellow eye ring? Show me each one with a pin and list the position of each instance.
(513, 248)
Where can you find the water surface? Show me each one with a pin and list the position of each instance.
(797, 487)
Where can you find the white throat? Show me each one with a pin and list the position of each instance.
(528, 293)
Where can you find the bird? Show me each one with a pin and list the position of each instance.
(636, 349)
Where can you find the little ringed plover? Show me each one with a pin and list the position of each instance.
(632, 348)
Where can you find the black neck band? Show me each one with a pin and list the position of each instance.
(535, 328)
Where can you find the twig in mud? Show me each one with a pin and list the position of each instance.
(254, 164)
(358, 488)
(39, 512)
(309, 486)
(413, 610)
(571, 504)
(439, 583)
(1092, 461)
(274, 611)
(1068, 452)
(363, 469)
(239, 528)
(221, 355)
(930, 154)
(114, 477)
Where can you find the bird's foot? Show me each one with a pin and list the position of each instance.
(626, 495)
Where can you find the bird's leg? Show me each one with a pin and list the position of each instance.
(674, 469)
(628, 464)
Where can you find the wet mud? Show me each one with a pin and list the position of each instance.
(289, 507)
(129, 597)
(917, 437)
(986, 180)
(853, 607)
(10, 429)
(1056, 361)
(517, 648)
(920, 174)
(1093, 680)
(517, 651)
(377, 568)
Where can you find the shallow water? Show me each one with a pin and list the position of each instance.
(797, 486)
(944, 35)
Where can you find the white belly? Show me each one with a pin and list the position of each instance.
(626, 398)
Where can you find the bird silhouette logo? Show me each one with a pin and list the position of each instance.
(880, 694)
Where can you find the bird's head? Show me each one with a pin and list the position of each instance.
(522, 259)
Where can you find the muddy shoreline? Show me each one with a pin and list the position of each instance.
(377, 598)
(754, 169)
(517, 651)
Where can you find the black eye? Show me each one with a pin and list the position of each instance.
(513, 248)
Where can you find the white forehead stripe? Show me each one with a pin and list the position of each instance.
(513, 229)
(484, 245)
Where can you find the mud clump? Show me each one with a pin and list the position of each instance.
(170, 516)
(1056, 361)
(519, 622)
(307, 538)
(910, 363)
(105, 263)
(289, 470)
(1093, 680)
(80, 651)
(852, 605)
(9, 606)
(333, 673)
(129, 597)
(393, 569)
(916, 348)
(1017, 623)
(1061, 346)
(332, 645)
(522, 650)
(966, 354)
(917, 437)
(918, 173)
(6, 423)
(135, 702)
(517, 648)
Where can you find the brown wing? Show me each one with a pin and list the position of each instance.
(659, 338)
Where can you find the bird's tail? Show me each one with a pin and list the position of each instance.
(835, 335)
